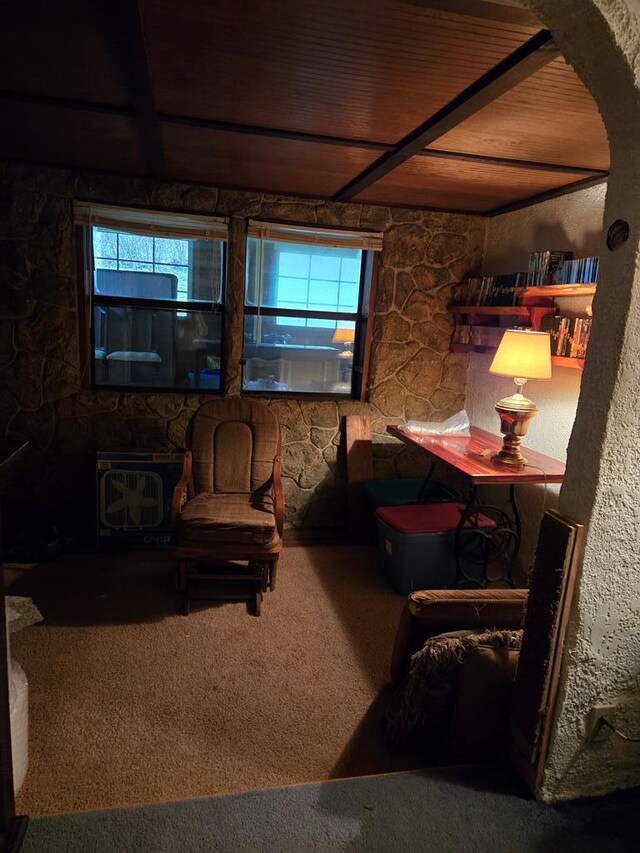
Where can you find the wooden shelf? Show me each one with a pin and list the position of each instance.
(564, 361)
(472, 348)
(557, 360)
(557, 290)
(493, 310)
(528, 311)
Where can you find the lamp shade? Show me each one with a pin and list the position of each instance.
(523, 354)
(344, 336)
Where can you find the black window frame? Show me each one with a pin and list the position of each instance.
(361, 344)
(170, 305)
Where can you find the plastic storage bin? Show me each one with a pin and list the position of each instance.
(417, 545)
(411, 491)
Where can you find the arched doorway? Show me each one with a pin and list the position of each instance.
(601, 488)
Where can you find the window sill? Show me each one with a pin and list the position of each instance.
(298, 395)
(156, 389)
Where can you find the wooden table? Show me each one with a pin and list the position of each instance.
(472, 456)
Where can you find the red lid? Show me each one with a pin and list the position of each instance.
(427, 518)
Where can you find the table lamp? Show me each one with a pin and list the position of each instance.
(346, 337)
(521, 355)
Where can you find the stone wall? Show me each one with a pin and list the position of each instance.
(43, 397)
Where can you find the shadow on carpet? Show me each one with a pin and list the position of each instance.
(460, 809)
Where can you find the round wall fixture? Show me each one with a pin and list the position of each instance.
(617, 234)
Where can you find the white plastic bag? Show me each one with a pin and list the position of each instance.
(458, 424)
(21, 612)
(19, 716)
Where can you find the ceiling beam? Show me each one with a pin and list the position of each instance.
(274, 133)
(50, 102)
(56, 103)
(513, 69)
(481, 9)
(532, 165)
(584, 184)
(121, 27)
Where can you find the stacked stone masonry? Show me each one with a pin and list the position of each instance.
(43, 397)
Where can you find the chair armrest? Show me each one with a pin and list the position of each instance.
(181, 490)
(434, 611)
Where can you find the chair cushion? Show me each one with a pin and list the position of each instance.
(239, 458)
(479, 722)
(134, 355)
(229, 518)
(425, 700)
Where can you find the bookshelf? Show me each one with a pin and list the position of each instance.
(555, 291)
(526, 299)
(488, 317)
(484, 321)
(565, 361)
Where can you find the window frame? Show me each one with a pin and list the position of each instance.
(89, 300)
(367, 288)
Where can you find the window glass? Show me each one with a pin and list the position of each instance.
(315, 277)
(302, 309)
(197, 266)
(156, 347)
(139, 345)
(289, 354)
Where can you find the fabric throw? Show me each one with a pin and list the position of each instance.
(424, 702)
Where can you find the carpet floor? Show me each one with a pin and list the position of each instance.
(131, 703)
(476, 810)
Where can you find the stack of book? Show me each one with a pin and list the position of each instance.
(544, 266)
(496, 290)
(570, 336)
(578, 271)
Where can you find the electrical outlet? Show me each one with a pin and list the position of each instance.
(593, 721)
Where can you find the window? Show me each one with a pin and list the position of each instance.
(306, 308)
(317, 279)
(156, 298)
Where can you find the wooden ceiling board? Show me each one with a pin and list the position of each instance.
(260, 163)
(461, 185)
(550, 118)
(82, 140)
(57, 49)
(370, 71)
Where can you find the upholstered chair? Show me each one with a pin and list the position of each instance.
(229, 504)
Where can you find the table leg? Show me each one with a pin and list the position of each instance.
(423, 488)
(517, 522)
(481, 547)
(463, 556)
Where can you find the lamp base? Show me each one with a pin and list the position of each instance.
(510, 453)
(515, 414)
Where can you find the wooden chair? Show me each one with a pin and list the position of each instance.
(229, 502)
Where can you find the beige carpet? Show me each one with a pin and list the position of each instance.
(131, 703)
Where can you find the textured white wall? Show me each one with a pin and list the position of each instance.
(601, 658)
(572, 222)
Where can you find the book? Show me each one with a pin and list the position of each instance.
(544, 266)
(578, 271)
(570, 336)
(494, 290)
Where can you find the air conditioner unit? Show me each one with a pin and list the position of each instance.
(134, 492)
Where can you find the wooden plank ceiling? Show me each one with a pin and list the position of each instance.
(459, 105)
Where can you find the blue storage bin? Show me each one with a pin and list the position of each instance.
(209, 379)
(411, 491)
(417, 545)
